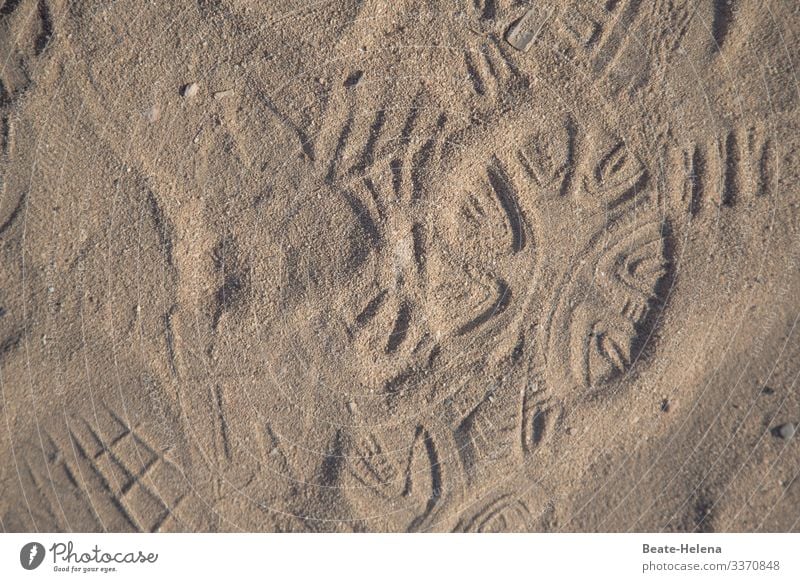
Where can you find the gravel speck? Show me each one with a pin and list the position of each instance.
(784, 431)
(190, 90)
(153, 114)
(223, 94)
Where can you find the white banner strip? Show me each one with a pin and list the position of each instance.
(381, 557)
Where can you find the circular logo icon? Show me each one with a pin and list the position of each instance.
(31, 555)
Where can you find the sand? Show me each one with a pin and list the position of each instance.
(488, 265)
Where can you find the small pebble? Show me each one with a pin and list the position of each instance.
(353, 79)
(190, 90)
(784, 431)
(153, 114)
(223, 94)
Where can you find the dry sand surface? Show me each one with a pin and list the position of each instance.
(419, 265)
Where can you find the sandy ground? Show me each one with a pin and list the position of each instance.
(488, 265)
